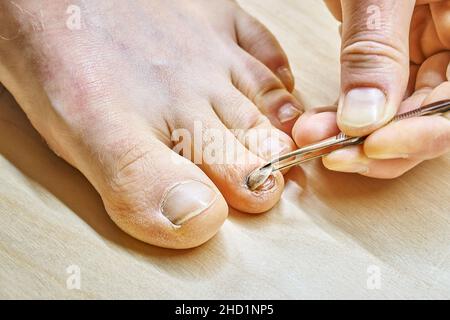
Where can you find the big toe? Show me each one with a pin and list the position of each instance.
(185, 209)
(156, 195)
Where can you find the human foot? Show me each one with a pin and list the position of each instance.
(110, 96)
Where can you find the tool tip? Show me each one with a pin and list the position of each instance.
(258, 177)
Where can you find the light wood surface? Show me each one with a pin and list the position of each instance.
(328, 231)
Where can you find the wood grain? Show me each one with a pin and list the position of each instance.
(318, 242)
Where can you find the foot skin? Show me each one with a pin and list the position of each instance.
(109, 93)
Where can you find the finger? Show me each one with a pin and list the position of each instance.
(448, 72)
(421, 138)
(422, 2)
(400, 149)
(315, 125)
(353, 160)
(433, 71)
(413, 70)
(335, 8)
(375, 63)
(440, 11)
(416, 138)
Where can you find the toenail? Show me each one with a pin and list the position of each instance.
(261, 179)
(288, 112)
(187, 200)
(267, 185)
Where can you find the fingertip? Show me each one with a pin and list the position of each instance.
(364, 110)
(350, 159)
(312, 127)
(416, 138)
(335, 8)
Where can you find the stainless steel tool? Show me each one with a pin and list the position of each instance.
(324, 147)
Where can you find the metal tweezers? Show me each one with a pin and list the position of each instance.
(325, 147)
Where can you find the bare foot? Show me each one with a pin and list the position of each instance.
(111, 93)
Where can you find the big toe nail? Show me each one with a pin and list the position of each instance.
(187, 200)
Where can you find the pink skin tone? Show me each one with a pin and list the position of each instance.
(408, 60)
(108, 98)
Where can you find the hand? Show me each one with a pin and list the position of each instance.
(395, 57)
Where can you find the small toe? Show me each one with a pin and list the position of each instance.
(258, 41)
(266, 91)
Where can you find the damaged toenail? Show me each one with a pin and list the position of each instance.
(268, 184)
(288, 112)
(187, 200)
(261, 179)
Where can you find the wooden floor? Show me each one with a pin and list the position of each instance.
(332, 236)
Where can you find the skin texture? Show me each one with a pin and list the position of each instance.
(108, 97)
(409, 59)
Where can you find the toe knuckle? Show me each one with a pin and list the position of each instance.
(263, 79)
(130, 167)
(129, 181)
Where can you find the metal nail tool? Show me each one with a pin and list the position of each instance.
(317, 150)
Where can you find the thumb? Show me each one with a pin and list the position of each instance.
(374, 62)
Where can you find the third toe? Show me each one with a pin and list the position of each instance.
(266, 91)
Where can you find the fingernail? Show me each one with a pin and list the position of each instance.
(288, 112)
(348, 167)
(186, 200)
(285, 75)
(388, 156)
(338, 161)
(272, 147)
(363, 107)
